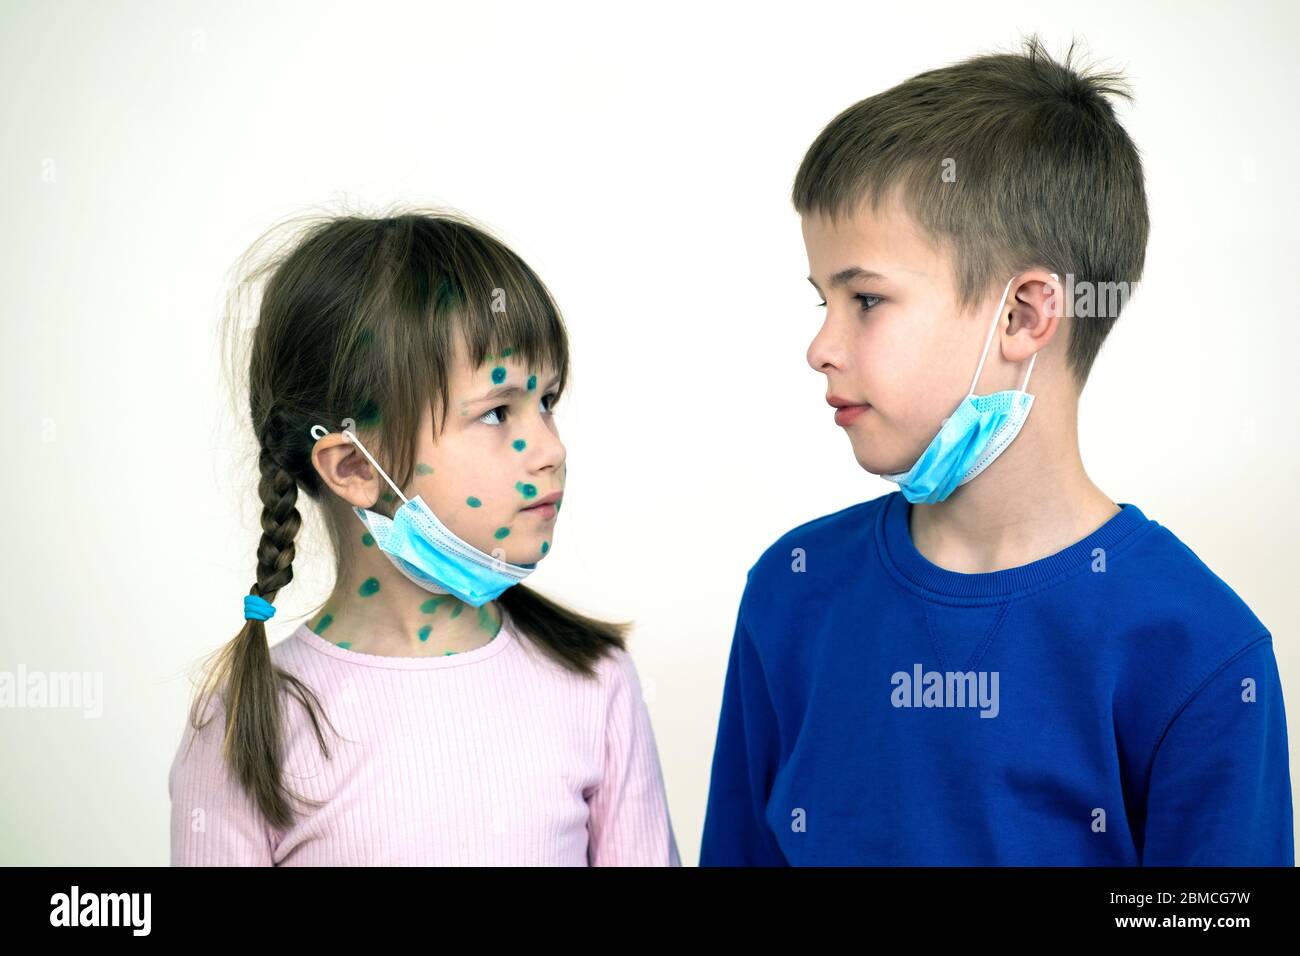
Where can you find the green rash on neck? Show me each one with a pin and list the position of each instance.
(388, 496)
(424, 632)
(455, 612)
(472, 501)
(486, 619)
(369, 587)
(519, 444)
(500, 533)
(345, 644)
(431, 606)
(323, 623)
(528, 491)
(368, 539)
(423, 469)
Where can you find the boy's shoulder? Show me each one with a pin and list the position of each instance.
(821, 540)
(1162, 583)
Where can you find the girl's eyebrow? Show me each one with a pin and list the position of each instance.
(501, 391)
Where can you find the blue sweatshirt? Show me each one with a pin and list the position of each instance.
(1113, 704)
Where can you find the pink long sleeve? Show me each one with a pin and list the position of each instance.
(497, 756)
(629, 823)
(212, 822)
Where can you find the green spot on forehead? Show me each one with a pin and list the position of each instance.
(498, 375)
(369, 586)
(532, 382)
(519, 444)
(528, 491)
(368, 540)
(424, 632)
(506, 353)
(423, 469)
(500, 533)
(472, 501)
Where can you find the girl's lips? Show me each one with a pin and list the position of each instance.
(545, 512)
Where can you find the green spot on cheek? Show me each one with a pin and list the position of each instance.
(424, 632)
(519, 444)
(498, 375)
(528, 491)
(473, 502)
(546, 546)
(449, 653)
(423, 469)
(388, 496)
(345, 644)
(324, 622)
(500, 533)
(369, 587)
(532, 382)
(368, 540)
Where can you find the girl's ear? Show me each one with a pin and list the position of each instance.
(345, 471)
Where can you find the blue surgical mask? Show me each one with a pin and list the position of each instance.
(969, 440)
(428, 553)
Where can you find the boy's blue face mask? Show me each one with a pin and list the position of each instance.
(428, 553)
(974, 435)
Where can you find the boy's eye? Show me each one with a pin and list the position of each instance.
(500, 410)
(863, 297)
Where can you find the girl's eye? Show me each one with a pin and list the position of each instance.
(862, 297)
(500, 410)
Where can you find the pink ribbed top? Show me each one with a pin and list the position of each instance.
(493, 757)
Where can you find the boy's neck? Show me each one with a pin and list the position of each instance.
(1033, 501)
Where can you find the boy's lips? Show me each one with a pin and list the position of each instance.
(846, 411)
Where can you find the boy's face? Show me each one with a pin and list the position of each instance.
(894, 341)
(498, 455)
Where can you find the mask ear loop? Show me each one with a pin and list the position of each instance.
(348, 426)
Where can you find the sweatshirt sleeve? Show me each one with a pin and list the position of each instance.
(745, 759)
(213, 821)
(628, 822)
(1220, 792)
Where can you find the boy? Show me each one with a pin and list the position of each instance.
(997, 664)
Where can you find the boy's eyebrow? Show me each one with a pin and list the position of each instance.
(844, 275)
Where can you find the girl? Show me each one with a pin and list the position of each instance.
(403, 373)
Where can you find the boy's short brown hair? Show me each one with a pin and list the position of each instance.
(1039, 173)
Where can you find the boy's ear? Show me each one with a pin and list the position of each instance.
(1035, 312)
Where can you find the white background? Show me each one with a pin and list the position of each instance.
(640, 159)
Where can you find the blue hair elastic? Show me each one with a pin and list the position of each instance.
(257, 608)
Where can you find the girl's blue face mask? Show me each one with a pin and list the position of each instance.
(969, 440)
(427, 552)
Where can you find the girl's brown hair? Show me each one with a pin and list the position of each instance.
(358, 319)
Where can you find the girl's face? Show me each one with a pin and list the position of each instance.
(498, 456)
